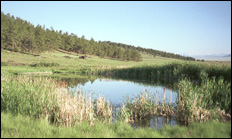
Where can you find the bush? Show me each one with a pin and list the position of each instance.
(5, 64)
(45, 65)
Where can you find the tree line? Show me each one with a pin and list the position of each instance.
(22, 36)
(150, 51)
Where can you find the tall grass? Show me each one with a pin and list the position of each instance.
(45, 98)
(28, 96)
(175, 71)
(203, 90)
(210, 100)
(141, 108)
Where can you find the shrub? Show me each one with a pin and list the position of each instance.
(5, 64)
(41, 64)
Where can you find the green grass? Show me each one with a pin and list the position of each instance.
(18, 97)
(35, 97)
(18, 126)
(75, 63)
(207, 101)
(15, 70)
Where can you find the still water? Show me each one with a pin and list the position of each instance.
(116, 91)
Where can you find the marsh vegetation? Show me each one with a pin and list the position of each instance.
(203, 92)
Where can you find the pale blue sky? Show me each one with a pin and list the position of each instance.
(193, 28)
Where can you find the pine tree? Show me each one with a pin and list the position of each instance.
(39, 40)
(11, 35)
(29, 40)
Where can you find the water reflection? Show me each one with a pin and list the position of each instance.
(118, 90)
(155, 121)
(74, 81)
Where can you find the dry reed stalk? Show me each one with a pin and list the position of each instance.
(163, 96)
(171, 97)
(195, 101)
(74, 109)
(156, 99)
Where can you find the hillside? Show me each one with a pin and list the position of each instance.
(19, 35)
(68, 60)
(150, 51)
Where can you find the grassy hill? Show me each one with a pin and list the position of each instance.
(70, 61)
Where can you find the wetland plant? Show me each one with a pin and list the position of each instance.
(45, 98)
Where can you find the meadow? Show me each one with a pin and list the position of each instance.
(70, 63)
(204, 96)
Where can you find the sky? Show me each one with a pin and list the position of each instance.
(186, 28)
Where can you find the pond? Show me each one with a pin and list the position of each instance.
(116, 91)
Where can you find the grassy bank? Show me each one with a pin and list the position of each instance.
(25, 127)
(175, 71)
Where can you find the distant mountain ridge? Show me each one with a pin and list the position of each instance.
(229, 55)
(213, 55)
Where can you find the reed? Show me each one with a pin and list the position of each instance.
(28, 96)
(174, 71)
(204, 102)
(209, 100)
(144, 106)
(46, 98)
(103, 110)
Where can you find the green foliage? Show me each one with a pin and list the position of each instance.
(21, 36)
(208, 84)
(5, 64)
(25, 127)
(141, 108)
(45, 98)
(201, 102)
(177, 70)
(149, 51)
(26, 96)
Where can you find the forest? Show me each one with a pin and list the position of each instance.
(21, 36)
(150, 51)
